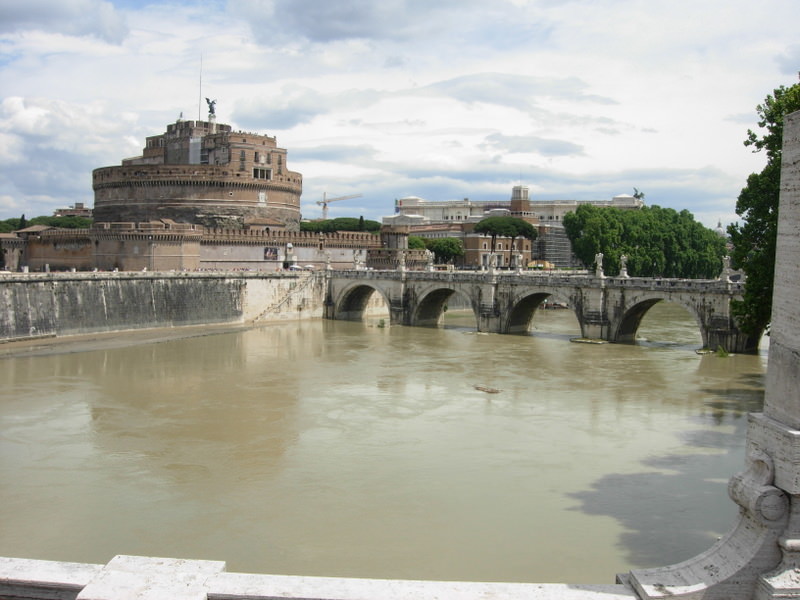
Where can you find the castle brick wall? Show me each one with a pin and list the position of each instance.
(212, 196)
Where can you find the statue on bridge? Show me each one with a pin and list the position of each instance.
(598, 261)
(429, 259)
(726, 268)
(623, 266)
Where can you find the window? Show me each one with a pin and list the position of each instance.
(262, 173)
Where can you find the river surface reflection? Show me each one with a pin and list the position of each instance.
(351, 449)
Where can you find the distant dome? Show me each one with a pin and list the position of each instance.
(720, 230)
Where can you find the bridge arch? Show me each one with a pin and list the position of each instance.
(431, 302)
(609, 309)
(353, 301)
(523, 309)
(628, 325)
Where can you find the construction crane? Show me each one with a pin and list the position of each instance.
(325, 200)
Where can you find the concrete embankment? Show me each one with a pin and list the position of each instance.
(34, 305)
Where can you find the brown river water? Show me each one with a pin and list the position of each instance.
(353, 449)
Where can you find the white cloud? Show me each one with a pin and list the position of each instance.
(8, 204)
(73, 17)
(522, 144)
(396, 20)
(50, 148)
(459, 99)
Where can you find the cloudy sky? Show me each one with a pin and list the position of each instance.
(442, 99)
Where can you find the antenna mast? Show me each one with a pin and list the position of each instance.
(200, 91)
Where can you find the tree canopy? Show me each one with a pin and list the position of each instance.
(10, 225)
(754, 241)
(341, 224)
(416, 243)
(445, 249)
(659, 242)
(510, 227)
(62, 222)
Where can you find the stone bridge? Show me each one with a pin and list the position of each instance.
(607, 308)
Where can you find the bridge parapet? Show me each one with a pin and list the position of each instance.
(607, 308)
(706, 285)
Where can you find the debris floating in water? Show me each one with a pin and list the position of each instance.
(488, 390)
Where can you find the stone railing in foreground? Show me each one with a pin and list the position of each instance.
(759, 559)
(145, 578)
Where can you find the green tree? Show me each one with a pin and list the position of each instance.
(9, 225)
(510, 227)
(62, 222)
(445, 249)
(754, 240)
(341, 224)
(657, 241)
(416, 243)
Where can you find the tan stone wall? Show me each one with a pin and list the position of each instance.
(158, 247)
(58, 253)
(143, 252)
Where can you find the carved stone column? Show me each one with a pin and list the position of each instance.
(760, 558)
(782, 403)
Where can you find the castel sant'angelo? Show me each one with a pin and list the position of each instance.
(201, 196)
(202, 173)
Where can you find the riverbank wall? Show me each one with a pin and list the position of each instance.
(40, 305)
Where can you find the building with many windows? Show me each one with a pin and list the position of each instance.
(457, 218)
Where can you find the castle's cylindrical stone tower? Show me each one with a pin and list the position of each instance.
(202, 173)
